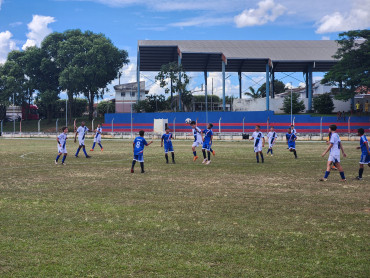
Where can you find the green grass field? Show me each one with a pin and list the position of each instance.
(232, 218)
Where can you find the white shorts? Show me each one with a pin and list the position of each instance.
(271, 145)
(196, 144)
(97, 139)
(334, 158)
(61, 149)
(258, 149)
(81, 142)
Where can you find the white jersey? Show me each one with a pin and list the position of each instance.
(81, 133)
(62, 138)
(294, 131)
(272, 135)
(97, 138)
(197, 135)
(257, 136)
(335, 140)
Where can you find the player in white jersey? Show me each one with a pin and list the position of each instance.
(334, 157)
(62, 150)
(259, 143)
(294, 131)
(272, 135)
(97, 138)
(81, 131)
(198, 138)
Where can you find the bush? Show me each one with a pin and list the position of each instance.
(298, 106)
(106, 107)
(323, 104)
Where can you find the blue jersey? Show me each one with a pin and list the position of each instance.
(167, 139)
(291, 137)
(208, 133)
(363, 139)
(139, 144)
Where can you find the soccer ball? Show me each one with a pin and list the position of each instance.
(188, 121)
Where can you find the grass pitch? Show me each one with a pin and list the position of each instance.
(232, 218)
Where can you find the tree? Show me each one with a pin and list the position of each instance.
(279, 87)
(169, 75)
(106, 107)
(152, 104)
(252, 93)
(323, 104)
(298, 106)
(352, 70)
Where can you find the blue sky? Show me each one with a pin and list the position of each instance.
(27, 22)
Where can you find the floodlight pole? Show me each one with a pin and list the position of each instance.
(14, 115)
(38, 126)
(291, 103)
(206, 94)
(56, 126)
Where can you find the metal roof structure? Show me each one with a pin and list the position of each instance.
(239, 56)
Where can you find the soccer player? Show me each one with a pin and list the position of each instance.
(207, 143)
(328, 142)
(62, 140)
(97, 138)
(290, 140)
(259, 143)
(166, 139)
(272, 138)
(198, 138)
(365, 152)
(138, 145)
(335, 147)
(81, 131)
(294, 131)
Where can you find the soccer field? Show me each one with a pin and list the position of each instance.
(232, 218)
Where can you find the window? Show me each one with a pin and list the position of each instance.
(123, 94)
(132, 94)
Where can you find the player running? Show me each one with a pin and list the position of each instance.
(81, 131)
(334, 157)
(365, 152)
(62, 140)
(290, 140)
(272, 135)
(97, 138)
(167, 140)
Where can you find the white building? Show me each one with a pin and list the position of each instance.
(126, 95)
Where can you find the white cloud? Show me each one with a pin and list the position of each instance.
(325, 38)
(203, 21)
(38, 30)
(267, 11)
(6, 45)
(15, 24)
(357, 18)
(1, 2)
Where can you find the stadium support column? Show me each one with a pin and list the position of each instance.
(224, 62)
(267, 86)
(179, 63)
(309, 71)
(240, 83)
(273, 84)
(138, 75)
(206, 93)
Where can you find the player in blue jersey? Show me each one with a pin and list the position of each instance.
(166, 140)
(272, 135)
(335, 147)
(290, 140)
(138, 148)
(81, 131)
(97, 138)
(62, 150)
(207, 143)
(365, 152)
(259, 143)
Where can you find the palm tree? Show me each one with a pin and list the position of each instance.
(252, 93)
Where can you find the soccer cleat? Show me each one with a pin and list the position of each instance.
(334, 168)
(272, 155)
(101, 149)
(142, 171)
(63, 163)
(56, 162)
(344, 179)
(166, 162)
(213, 152)
(204, 160)
(76, 156)
(358, 178)
(173, 161)
(208, 162)
(132, 170)
(195, 158)
(88, 156)
(323, 179)
(91, 150)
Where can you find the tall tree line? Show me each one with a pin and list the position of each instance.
(73, 61)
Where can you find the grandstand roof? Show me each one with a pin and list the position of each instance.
(243, 55)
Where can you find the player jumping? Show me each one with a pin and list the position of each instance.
(207, 143)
